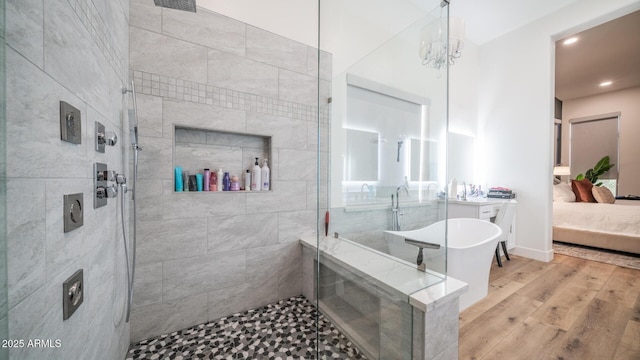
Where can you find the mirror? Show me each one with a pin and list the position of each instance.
(361, 162)
(461, 157)
(424, 160)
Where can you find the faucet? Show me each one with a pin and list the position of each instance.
(395, 209)
(464, 191)
(362, 190)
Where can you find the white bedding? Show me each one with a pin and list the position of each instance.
(621, 218)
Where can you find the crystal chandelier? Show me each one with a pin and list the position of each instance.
(435, 50)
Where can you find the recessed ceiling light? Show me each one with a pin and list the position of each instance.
(606, 83)
(570, 40)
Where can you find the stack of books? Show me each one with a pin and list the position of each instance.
(501, 193)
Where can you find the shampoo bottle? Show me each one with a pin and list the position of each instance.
(207, 179)
(185, 182)
(264, 173)
(219, 177)
(256, 178)
(247, 180)
(178, 175)
(213, 182)
(226, 182)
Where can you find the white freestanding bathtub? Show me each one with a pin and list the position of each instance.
(470, 249)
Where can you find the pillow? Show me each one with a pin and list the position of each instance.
(562, 192)
(603, 195)
(582, 189)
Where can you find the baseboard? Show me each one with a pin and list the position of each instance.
(534, 254)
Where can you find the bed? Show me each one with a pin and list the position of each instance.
(608, 226)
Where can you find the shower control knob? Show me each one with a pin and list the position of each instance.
(109, 138)
(106, 191)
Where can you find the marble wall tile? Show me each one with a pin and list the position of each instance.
(26, 231)
(201, 205)
(286, 133)
(149, 115)
(34, 148)
(145, 15)
(295, 224)
(156, 319)
(298, 88)
(269, 48)
(206, 28)
(171, 239)
(308, 273)
(242, 74)
(155, 161)
(155, 53)
(72, 58)
(197, 157)
(186, 277)
(297, 164)
(290, 277)
(240, 140)
(441, 325)
(148, 284)
(190, 136)
(64, 249)
(286, 196)
(39, 316)
(149, 193)
(227, 233)
(325, 60)
(200, 116)
(245, 296)
(25, 29)
(264, 262)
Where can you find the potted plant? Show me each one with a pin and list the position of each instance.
(601, 167)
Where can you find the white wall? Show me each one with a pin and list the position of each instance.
(623, 101)
(515, 113)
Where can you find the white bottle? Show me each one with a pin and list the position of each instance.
(220, 176)
(256, 179)
(453, 189)
(265, 176)
(247, 180)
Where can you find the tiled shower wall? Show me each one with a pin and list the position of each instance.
(205, 255)
(75, 51)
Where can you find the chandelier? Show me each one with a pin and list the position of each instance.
(436, 50)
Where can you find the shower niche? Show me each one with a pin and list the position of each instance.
(196, 149)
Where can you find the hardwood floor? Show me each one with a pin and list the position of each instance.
(565, 309)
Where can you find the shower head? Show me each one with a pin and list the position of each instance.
(186, 5)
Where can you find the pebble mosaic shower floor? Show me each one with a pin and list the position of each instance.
(284, 330)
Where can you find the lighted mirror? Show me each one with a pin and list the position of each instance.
(362, 156)
(424, 160)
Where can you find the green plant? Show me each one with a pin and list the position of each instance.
(601, 167)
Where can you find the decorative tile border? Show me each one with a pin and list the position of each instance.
(172, 88)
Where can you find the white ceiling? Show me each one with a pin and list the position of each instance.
(607, 51)
(610, 51)
(486, 20)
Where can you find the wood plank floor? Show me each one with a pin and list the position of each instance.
(565, 309)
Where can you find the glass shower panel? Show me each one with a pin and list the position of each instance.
(385, 167)
(4, 333)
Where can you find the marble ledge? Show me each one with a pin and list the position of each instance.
(424, 290)
(432, 297)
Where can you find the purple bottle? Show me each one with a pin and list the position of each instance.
(226, 182)
(207, 178)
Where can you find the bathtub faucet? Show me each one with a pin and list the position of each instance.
(395, 209)
(362, 190)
